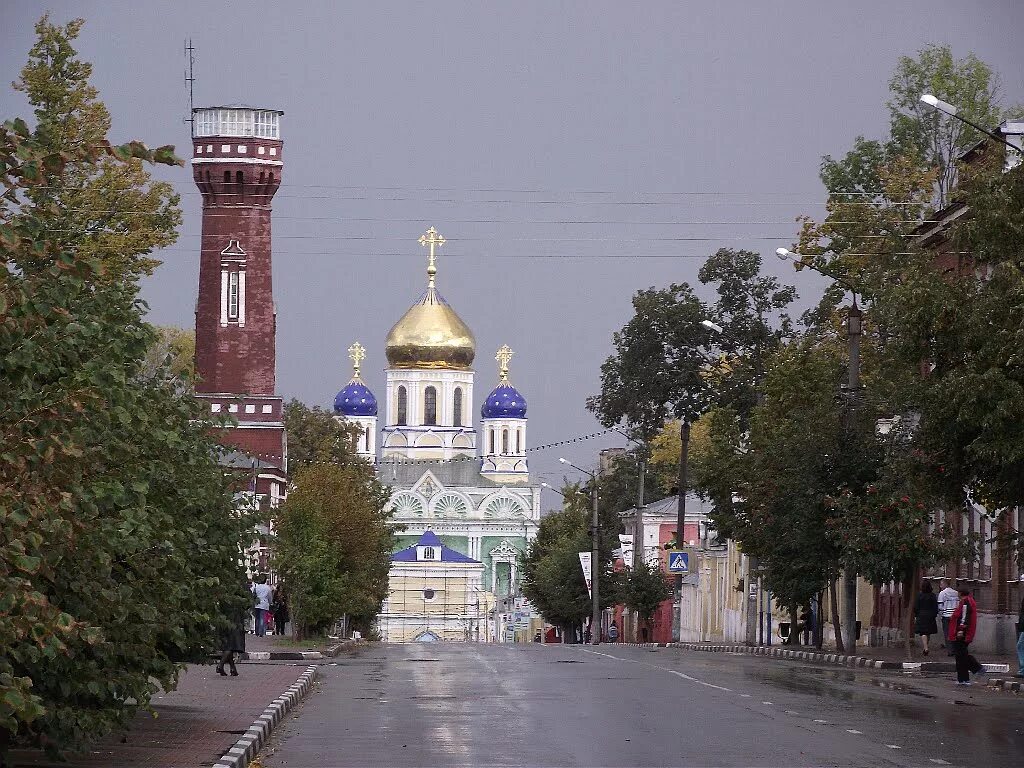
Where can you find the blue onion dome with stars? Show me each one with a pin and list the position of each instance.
(355, 399)
(504, 402)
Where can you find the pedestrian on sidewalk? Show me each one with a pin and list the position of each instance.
(233, 640)
(948, 599)
(926, 608)
(613, 633)
(1020, 635)
(264, 594)
(280, 610)
(961, 634)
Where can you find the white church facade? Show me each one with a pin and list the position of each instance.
(467, 485)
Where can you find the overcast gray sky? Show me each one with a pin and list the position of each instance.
(571, 153)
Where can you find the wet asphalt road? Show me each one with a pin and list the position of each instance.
(533, 705)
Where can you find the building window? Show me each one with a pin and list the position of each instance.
(428, 553)
(491, 432)
(430, 406)
(429, 595)
(232, 296)
(366, 441)
(457, 408)
(239, 178)
(519, 441)
(504, 441)
(227, 177)
(403, 407)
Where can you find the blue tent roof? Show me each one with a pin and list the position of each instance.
(429, 539)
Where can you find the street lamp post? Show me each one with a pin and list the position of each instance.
(948, 109)
(595, 616)
(854, 320)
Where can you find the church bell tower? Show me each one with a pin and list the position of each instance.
(237, 166)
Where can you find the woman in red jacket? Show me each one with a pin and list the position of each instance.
(961, 632)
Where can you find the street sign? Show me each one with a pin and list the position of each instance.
(678, 562)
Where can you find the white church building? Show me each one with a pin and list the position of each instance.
(466, 484)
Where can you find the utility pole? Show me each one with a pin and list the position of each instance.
(853, 331)
(638, 539)
(684, 457)
(595, 570)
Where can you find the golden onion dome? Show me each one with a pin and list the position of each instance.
(430, 334)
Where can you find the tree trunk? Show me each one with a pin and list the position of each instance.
(909, 582)
(794, 636)
(833, 598)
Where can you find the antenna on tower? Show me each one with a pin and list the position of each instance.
(190, 81)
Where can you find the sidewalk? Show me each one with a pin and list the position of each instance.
(1005, 666)
(195, 724)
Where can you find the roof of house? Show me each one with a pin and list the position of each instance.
(429, 539)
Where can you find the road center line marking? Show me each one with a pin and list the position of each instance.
(854, 730)
(700, 682)
(894, 746)
(823, 722)
(938, 761)
(663, 669)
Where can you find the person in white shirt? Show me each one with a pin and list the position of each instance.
(948, 599)
(263, 594)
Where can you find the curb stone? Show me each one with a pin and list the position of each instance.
(824, 658)
(328, 653)
(247, 747)
(835, 658)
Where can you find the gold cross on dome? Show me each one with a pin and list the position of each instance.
(356, 353)
(503, 357)
(432, 239)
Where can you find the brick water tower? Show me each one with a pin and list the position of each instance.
(237, 166)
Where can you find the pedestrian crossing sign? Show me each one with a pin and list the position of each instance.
(678, 562)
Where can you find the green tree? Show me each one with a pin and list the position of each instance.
(173, 350)
(644, 588)
(656, 372)
(917, 129)
(118, 542)
(553, 578)
(105, 208)
(333, 545)
(315, 436)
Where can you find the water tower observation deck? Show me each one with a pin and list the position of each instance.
(237, 154)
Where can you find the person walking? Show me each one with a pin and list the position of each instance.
(961, 634)
(926, 608)
(280, 610)
(264, 594)
(948, 599)
(1020, 635)
(613, 633)
(233, 639)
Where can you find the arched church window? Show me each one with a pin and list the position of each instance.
(491, 433)
(430, 406)
(519, 441)
(504, 441)
(366, 441)
(403, 407)
(457, 408)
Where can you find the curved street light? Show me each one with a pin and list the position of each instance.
(948, 109)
